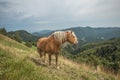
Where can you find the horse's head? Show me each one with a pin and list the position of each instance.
(71, 37)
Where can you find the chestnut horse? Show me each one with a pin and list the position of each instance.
(53, 43)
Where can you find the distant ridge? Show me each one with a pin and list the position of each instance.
(42, 33)
(24, 35)
(84, 34)
(89, 34)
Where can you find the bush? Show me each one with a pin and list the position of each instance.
(17, 37)
(3, 31)
(28, 44)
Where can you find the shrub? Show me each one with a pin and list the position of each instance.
(3, 31)
(28, 44)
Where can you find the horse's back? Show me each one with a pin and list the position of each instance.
(47, 44)
(41, 41)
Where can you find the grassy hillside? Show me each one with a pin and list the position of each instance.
(18, 62)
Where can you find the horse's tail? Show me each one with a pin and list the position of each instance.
(40, 52)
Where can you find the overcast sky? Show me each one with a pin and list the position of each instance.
(37, 15)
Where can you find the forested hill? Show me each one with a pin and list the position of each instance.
(42, 33)
(23, 35)
(105, 53)
(88, 34)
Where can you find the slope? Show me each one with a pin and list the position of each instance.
(17, 62)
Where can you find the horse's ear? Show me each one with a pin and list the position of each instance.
(69, 31)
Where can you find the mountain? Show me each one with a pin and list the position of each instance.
(89, 34)
(24, 35)
(18, 62)
(42, 33)
(84, 34)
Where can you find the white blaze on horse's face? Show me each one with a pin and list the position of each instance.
(72, 37)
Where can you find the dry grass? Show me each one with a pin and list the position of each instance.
(72, 69)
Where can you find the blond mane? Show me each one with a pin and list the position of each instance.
(60, 36)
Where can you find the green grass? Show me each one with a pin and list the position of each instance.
(11, 43)
(17, 62)
(12, 68)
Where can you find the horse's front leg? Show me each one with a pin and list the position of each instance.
(56, 55)
(40, 52)
(44, 56)
(49, 55)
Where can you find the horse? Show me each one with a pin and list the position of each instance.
(53, 43)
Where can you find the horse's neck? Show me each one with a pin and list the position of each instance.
(55, 42)
(64, 40)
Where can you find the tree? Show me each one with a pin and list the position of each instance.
(28, 44)
(17, 37)
(3, 31)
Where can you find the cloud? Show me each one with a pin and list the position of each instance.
(62, 13)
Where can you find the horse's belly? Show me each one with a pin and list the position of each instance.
(52, 49)
(48, 47)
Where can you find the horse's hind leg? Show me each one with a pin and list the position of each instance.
(56, 55)
(40, 52)
(44, 56)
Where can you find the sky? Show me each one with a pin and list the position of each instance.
(37, 15)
